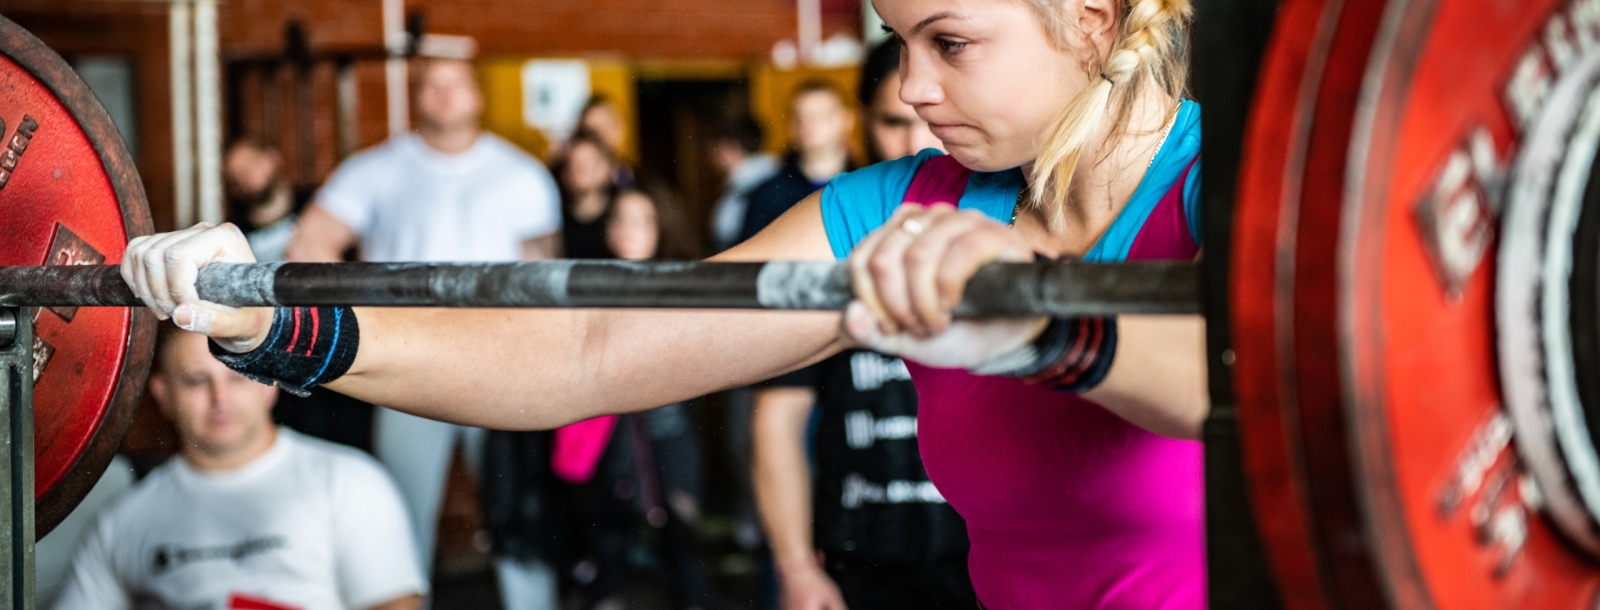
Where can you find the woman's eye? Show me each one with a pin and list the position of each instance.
(949, 47)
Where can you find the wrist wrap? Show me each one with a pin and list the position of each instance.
(1070, 355)
(306, 346)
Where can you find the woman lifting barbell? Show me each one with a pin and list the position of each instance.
(1066, 444)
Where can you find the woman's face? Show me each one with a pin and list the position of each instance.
(985, 75)
(632, 232)
(587, 168)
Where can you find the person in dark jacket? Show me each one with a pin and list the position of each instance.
(822, 122)
(737, 151)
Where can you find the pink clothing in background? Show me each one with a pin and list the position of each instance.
(578, 448)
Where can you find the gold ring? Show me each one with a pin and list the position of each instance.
(913, 226)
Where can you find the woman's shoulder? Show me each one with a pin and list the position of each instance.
(857, 202)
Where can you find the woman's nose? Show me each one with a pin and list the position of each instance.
(918, 85)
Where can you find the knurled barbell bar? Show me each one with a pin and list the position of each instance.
(996, 290)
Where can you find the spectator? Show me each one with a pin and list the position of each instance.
(645, 225)
(575, 497)
(447, 193)
(839, 538)
(266, 208)
(822, 122)
(247, 514)
(737, 150)
(641, 464)
(589, 184)
(260, 201)
(524, 515)
(893, 128)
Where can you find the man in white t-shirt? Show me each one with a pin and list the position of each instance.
(447, 193)
(248, 515)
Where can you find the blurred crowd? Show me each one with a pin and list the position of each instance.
(322, 497)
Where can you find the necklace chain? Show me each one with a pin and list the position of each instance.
(1166, 131)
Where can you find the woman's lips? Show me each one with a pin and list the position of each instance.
(949, 132)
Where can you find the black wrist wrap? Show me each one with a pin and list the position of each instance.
(1070, 355)
(306, 347)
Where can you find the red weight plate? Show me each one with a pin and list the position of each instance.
(1269, 189)
(1380, 454)
(69, 194)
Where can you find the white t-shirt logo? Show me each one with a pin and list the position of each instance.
(171, 556)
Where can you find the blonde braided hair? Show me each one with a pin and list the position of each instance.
(1151, 48)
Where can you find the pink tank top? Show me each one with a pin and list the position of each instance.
(1067, 504)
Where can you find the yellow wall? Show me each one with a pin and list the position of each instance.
(771, 90)
(502, 113)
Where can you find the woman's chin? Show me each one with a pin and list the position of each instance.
(978, 159)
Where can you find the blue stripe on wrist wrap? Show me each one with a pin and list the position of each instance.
(307, 346)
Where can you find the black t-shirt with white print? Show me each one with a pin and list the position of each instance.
(871, 496)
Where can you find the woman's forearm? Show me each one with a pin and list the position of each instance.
(531, 369)
(542, 368)
(1158, 380)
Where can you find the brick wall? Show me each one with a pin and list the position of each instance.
(632, 28)
(741, 30)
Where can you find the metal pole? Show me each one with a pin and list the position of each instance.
(1228, 55)
(997, 290)
(179, 20)
(347, 93)
(394, 69)
(208, 110)
(16, 464)
(305, 114)
(810, 29)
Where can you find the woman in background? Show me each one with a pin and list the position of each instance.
(589, 179)
(618, 468)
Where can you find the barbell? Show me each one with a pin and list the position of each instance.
(1413, 296)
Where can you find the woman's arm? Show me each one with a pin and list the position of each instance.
(522, 368)
(910, 273)
(1158, 379)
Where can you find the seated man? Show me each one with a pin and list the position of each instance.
(249, 515)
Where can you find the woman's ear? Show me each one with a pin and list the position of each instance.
(1097, 20)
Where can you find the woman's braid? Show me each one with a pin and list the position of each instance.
(1150, 48)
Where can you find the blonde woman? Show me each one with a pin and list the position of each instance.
(1066, 444)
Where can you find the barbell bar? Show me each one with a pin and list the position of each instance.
(996, 290)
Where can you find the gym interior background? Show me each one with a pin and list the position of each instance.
(309, 75)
